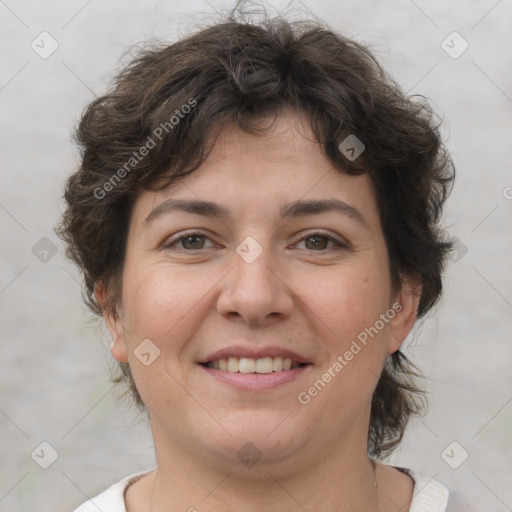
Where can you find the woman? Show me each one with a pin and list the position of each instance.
(256, 218)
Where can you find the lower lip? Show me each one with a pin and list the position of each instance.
(257, 380)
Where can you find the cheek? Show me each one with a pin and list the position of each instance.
(347, 307)
(159, 298)
(347, 300)
(160, 304)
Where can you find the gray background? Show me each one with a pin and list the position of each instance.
(54, 361)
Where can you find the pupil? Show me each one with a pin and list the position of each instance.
(318, 241)
(195, 238)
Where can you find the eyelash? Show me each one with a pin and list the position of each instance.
(338, 244)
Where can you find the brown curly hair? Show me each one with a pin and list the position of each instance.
(237, 72)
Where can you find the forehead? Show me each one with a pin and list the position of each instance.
(283, 164)
(284, 137)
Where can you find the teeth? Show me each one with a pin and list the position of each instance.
(250, 365)
(265, 365)
(233, 365)
(246, 365)
(277, 364)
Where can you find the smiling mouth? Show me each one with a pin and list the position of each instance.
(250, 365)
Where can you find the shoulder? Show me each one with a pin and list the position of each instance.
(111, 499)
(429, 495)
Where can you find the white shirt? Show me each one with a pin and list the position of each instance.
(429, 495)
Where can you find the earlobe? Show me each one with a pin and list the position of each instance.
(118, 351)
(118, 345)
(114, 324)
(401, 325)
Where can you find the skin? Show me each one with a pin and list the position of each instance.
(199, 296)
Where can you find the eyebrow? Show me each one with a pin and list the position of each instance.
(299, 208)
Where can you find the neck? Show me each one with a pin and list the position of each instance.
(336, 482)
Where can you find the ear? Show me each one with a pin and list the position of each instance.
(114, 325)
(405, 305)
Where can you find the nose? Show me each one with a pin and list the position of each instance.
(255, 291)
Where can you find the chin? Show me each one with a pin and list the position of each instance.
(258, 439)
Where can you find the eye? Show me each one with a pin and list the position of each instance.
(318, 242)
(190, 241)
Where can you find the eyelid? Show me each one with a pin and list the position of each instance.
(340, 242)
(177, 237)
(301, 237)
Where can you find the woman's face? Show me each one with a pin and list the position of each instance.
(265, 253)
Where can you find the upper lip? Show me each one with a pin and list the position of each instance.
(254, 353)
